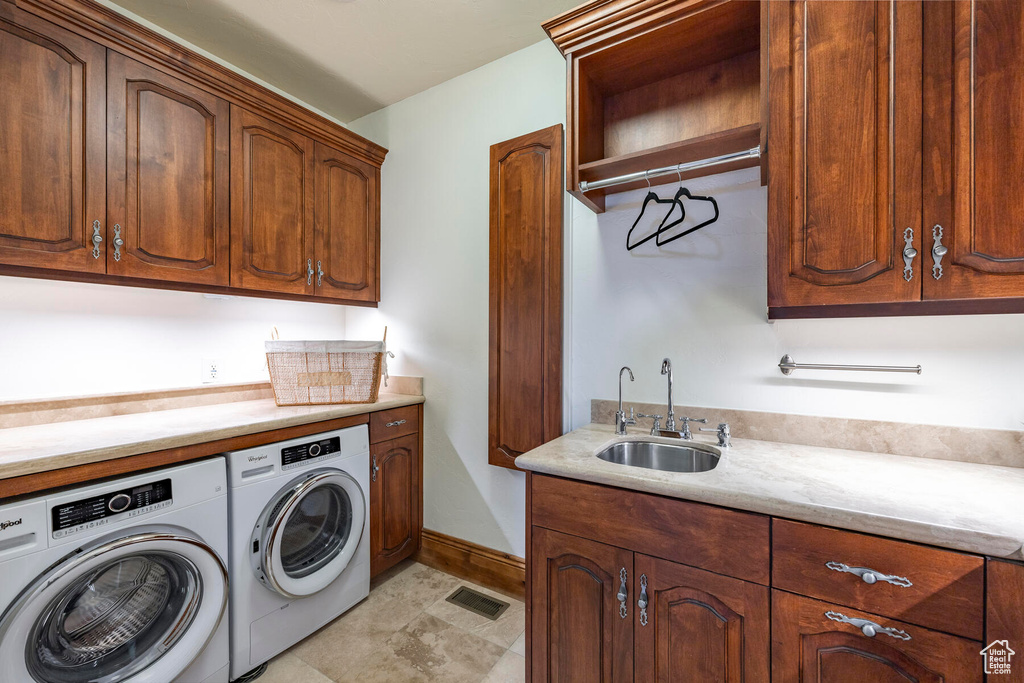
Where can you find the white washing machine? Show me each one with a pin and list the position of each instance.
(123, 581)
(300, 539)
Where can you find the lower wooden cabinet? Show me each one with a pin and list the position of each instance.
(396, 500)
(811, 643)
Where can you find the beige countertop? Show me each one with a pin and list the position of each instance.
(43, 447)
(964, 506)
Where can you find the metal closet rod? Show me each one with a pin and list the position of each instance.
(752, 153)
(787, 365)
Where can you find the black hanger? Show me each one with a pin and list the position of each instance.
(651, 196)
(681, 192)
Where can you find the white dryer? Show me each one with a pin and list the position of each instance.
(122, 581)
(300, 540)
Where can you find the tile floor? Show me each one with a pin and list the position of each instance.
(405, 631)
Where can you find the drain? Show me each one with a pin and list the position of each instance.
(477, 602)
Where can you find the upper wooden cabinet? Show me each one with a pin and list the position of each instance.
(895, 185)
(52, 146)
(167, 177)
(130, 160)
(271, 205)
(658, 83)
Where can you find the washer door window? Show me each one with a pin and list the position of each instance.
(309, 533)
(147, 602)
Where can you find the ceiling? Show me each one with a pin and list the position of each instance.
(352, 57)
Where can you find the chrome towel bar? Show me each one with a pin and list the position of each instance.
(787, 365)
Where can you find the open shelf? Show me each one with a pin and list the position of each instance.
(653, 85)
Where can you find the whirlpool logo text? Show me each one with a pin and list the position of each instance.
(9, 522)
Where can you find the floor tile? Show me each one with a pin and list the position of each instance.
(519, 647)
(502, 631)
(511, 668)
(287, 668)
(419, 585)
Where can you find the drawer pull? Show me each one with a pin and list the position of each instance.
(395, 423)
(868, 628)
(870, 575)
(622, 596)
(642, 602)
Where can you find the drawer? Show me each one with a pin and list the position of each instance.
(391, 424)
(940, 589)
(704, 536)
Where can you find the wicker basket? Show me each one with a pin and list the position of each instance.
(306, 373)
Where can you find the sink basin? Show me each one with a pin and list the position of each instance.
(662, 456)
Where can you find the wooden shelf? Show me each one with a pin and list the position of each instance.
(653, 84)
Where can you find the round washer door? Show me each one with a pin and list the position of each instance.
(137, 608)
(309, 532)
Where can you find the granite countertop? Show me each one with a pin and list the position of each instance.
(39, 448)
(964, 506)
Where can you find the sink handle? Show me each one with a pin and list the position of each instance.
(657, 422)
(685, 431)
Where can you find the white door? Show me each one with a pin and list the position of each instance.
(137, 608)
(309, 532)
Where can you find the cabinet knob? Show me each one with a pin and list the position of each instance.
(870, 576)
(319, 273)
(622, 595)
(97, 238)
(909, 254)
(118, 242)
(938, 251)
(642, 602)
(374, 469)
(309, 271)
(868, 628)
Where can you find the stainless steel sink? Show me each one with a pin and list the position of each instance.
(662, 456)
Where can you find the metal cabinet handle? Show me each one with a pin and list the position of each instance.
(309, 271)
(868, 628)
(97, 238)
(870, 575)
(642, 602)
(622, 595)
(118, 242)
(909, 254)
(938, 251)
(395, 423)
(319, 273)
(375, 469)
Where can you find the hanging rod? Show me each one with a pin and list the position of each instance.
(787, 365)
(752, 153)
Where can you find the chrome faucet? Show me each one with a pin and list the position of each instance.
(670, 422)
(621, 421)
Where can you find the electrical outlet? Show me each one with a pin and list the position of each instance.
(211, 368)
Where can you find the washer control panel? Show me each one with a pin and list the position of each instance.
(306, 453)
(89, 513)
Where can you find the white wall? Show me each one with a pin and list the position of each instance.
(434, 261)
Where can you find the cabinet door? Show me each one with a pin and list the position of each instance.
(271, 206)
(699, 626)
(810, 647)
(395, 512)
(844, 152)
(347, 226)
(974, 149)
(167, 177)
(579, 630)
(52, 101)
(1004, 621)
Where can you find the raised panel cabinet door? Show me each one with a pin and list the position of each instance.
(810, 646)
(52, 128)
(698, 626)
(272, 169)
(347, 227)
(580, 632)
(167, 177)
(394, 501)
(525, 364)
(844, 214)
(974, 150)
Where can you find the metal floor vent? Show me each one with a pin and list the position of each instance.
(477, 602)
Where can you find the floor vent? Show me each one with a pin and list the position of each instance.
(477, 602)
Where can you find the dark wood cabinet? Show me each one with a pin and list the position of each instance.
(1004, 622)
(699, 626)
(167, 177)
(347, 220)
(579, 629)
(525, 354)
(396, 491)
(809, 645)
(52, 146)
(844, 163)
(271, 205)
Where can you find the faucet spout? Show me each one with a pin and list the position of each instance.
(621, 421)
(670, 421)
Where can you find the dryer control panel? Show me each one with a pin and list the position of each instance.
(305, 453)
(89, 513)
